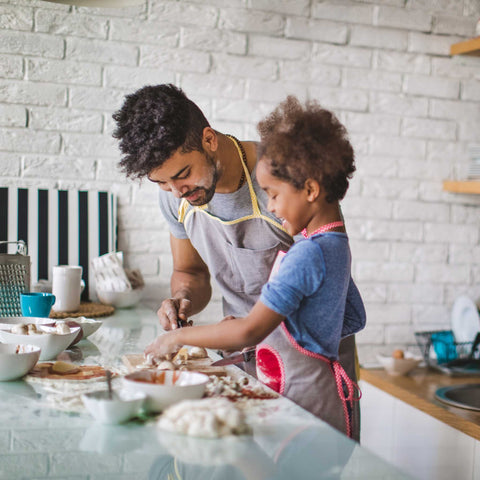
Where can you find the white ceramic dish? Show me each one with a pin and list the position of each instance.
(6, 323)
(465, 319)
(15, 365)
(51, 344)
(176, 386)
(123, 405)
(399, 366)
(88, 325)
(125, 299)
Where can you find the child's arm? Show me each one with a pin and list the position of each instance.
(229, 335)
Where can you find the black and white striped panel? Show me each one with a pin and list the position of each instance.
(60, 227)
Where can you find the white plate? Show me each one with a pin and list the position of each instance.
(6, 323)
(465, 319)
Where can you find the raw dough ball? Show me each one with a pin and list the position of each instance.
(197, 352)
(398, 354)
(166, 365)
(62, 328)
(20, 329)
(32, 329)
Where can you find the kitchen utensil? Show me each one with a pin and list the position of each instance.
(243, 356)
(109, 383)
(444, 346)
(51, 344)
(67, 287)
(125, 299)
(166, 387)
(399, 366)
(14, 279)
(36, 304)
(113, 409)
(17, 360)
(465, 319)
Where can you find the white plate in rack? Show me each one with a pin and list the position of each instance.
(465, 319)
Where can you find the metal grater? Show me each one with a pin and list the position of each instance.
(14, 279)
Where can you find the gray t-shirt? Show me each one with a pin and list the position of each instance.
(225, 206)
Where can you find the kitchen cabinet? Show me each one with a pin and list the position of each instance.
(462, 186)
(467, 47)
(405, 425)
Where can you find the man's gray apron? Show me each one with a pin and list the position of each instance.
(239, 253)
(324, 387)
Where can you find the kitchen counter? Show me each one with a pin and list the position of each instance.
(418, 390)
(46, 433)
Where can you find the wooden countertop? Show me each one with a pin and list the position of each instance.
(418, 390)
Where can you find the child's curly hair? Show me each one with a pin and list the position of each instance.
(307, 142)
(152, 124)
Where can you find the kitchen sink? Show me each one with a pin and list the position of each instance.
(462, 396)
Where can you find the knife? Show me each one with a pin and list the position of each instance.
(243, 356)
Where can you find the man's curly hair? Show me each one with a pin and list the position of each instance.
(307, 142)
(152, 124)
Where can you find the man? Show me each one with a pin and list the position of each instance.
(216, 211)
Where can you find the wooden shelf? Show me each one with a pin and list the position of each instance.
(468, 47)
(462, 186)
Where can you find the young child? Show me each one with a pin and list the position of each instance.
(311, 302)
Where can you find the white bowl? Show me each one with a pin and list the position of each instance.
(51, 344)
(14, 365)
(123, 405)
(125, 299)
(88, 325)
(6, 323)
(166, 387)
(399, 366)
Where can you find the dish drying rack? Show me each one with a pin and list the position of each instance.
(441, 352)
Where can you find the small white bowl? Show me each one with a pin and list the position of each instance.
(51, 344)
(125, 299)
(166, 387)
(123, 405)
(399, 366)
(88, 325)
(15, 365)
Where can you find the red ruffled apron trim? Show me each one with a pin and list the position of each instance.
(341, 378)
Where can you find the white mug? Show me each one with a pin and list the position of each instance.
(67, 287)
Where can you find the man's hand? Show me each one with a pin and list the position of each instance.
(174, 313)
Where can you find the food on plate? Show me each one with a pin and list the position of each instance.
(157, 377)
(19, 329)
(237, 389)
(62, 328)
(398, 354)
(197, 352)
(208, 417)
(43, 372)
(166, 365)
(64, 368)
(33, 330)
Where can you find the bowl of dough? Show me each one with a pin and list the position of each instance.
(166, 387)
(17, 360)
(50, 339)
(399, 362)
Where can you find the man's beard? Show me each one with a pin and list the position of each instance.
(208, 192)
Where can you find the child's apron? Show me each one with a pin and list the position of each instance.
(324, 387)
(240, 252)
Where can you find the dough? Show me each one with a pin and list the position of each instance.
(208, 418)
(197, 352)
(62, 328)
(19, 329)
(166, 365)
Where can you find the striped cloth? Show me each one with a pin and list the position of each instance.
(60, 227)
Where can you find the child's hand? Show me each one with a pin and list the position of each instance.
(163, 346)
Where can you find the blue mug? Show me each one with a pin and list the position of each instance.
(36, 304)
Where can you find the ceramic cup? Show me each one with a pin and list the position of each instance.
(36, 304)
(67, 287)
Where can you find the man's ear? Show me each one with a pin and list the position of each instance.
(312, 189)
(209, 139)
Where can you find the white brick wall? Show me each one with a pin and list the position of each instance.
(382, 66)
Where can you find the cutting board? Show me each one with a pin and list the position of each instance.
(202, 365)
